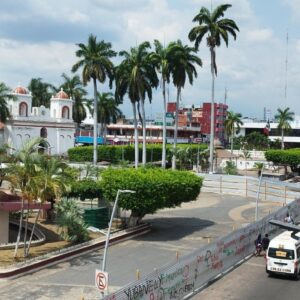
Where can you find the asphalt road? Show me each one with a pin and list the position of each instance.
(179, 230)
(250, 281)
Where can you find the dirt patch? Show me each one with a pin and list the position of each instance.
(53, 242)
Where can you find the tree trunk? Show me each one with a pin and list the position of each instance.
(144, 131)
(282, 139)
(232, 135)
(32, 231)
(163, 157)
(26, 228)
(95, 123)
(104, 133)
(20, 229)
(212, 113)
(175, 130)
(136, 139)
(134, 219)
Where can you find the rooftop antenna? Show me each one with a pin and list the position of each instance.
(225, 96)
(286, 65)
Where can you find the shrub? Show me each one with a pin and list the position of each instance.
(290, 157)
(85, 189)
(155, 188)
(70, 222)
(119, 153)
(230, 168)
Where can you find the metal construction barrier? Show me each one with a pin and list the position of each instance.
(276, 191)
(193, 271)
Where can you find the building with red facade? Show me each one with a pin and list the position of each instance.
(220, 110)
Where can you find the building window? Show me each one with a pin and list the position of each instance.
(65, 112)
(43, 132)
(23, 109)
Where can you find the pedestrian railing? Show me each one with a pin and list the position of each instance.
(277, 191)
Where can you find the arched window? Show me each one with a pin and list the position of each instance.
(23, 109)
(65, 112)
(43, 132)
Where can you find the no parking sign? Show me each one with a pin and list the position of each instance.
(101, 280)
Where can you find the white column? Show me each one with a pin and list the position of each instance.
(4, 221)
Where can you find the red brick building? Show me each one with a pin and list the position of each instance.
(220, 117)
(200, 117)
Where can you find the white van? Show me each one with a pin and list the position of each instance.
(283, 254)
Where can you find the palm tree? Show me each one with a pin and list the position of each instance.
(284, 117)
(95, 60)
(232, 126)
(217, 29)
(41, 92)
(183, 67)
(51, 181)
(74, 88)
(136, 76)
(163, 58)
(20, 174)
(108, 111)
(4, 95)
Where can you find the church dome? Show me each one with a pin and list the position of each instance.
(61, 95)
(20, 90)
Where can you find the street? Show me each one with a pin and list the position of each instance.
(176, 231)
(250, 281)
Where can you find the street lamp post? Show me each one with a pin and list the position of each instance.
(110, 223)
(258, 192)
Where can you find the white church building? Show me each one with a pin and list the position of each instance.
(55, 124)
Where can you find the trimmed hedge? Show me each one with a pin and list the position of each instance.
(115, 154)
(289, 157)
(155, 188)
(85, 189)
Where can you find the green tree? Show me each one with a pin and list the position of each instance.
(4, 95)
(51, 181)
(74, 88)
(136, 76)
(216, 28)
(183, 67)
(20, 175)
(284, 117)
(163, 58)
(41, 92)
(96, 64)
(108, 112)
(155, 189)
(233, 124)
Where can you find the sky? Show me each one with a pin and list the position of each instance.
(38, 39)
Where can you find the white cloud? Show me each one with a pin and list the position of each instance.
(259, 35)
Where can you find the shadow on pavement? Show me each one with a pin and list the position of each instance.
(173, 228)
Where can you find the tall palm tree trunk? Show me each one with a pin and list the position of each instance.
(163, 158)
(95, 158)
(232, 135)
(144, 131)
(175, 131)
(136, 138)
(212, 113)
(20, 228)
(282, 139)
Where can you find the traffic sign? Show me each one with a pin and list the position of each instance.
(101, 280)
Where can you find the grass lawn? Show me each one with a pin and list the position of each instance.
(53, 242)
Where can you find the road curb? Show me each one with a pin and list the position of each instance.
(96, 244)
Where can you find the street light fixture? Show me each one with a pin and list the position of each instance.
(110, 223)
